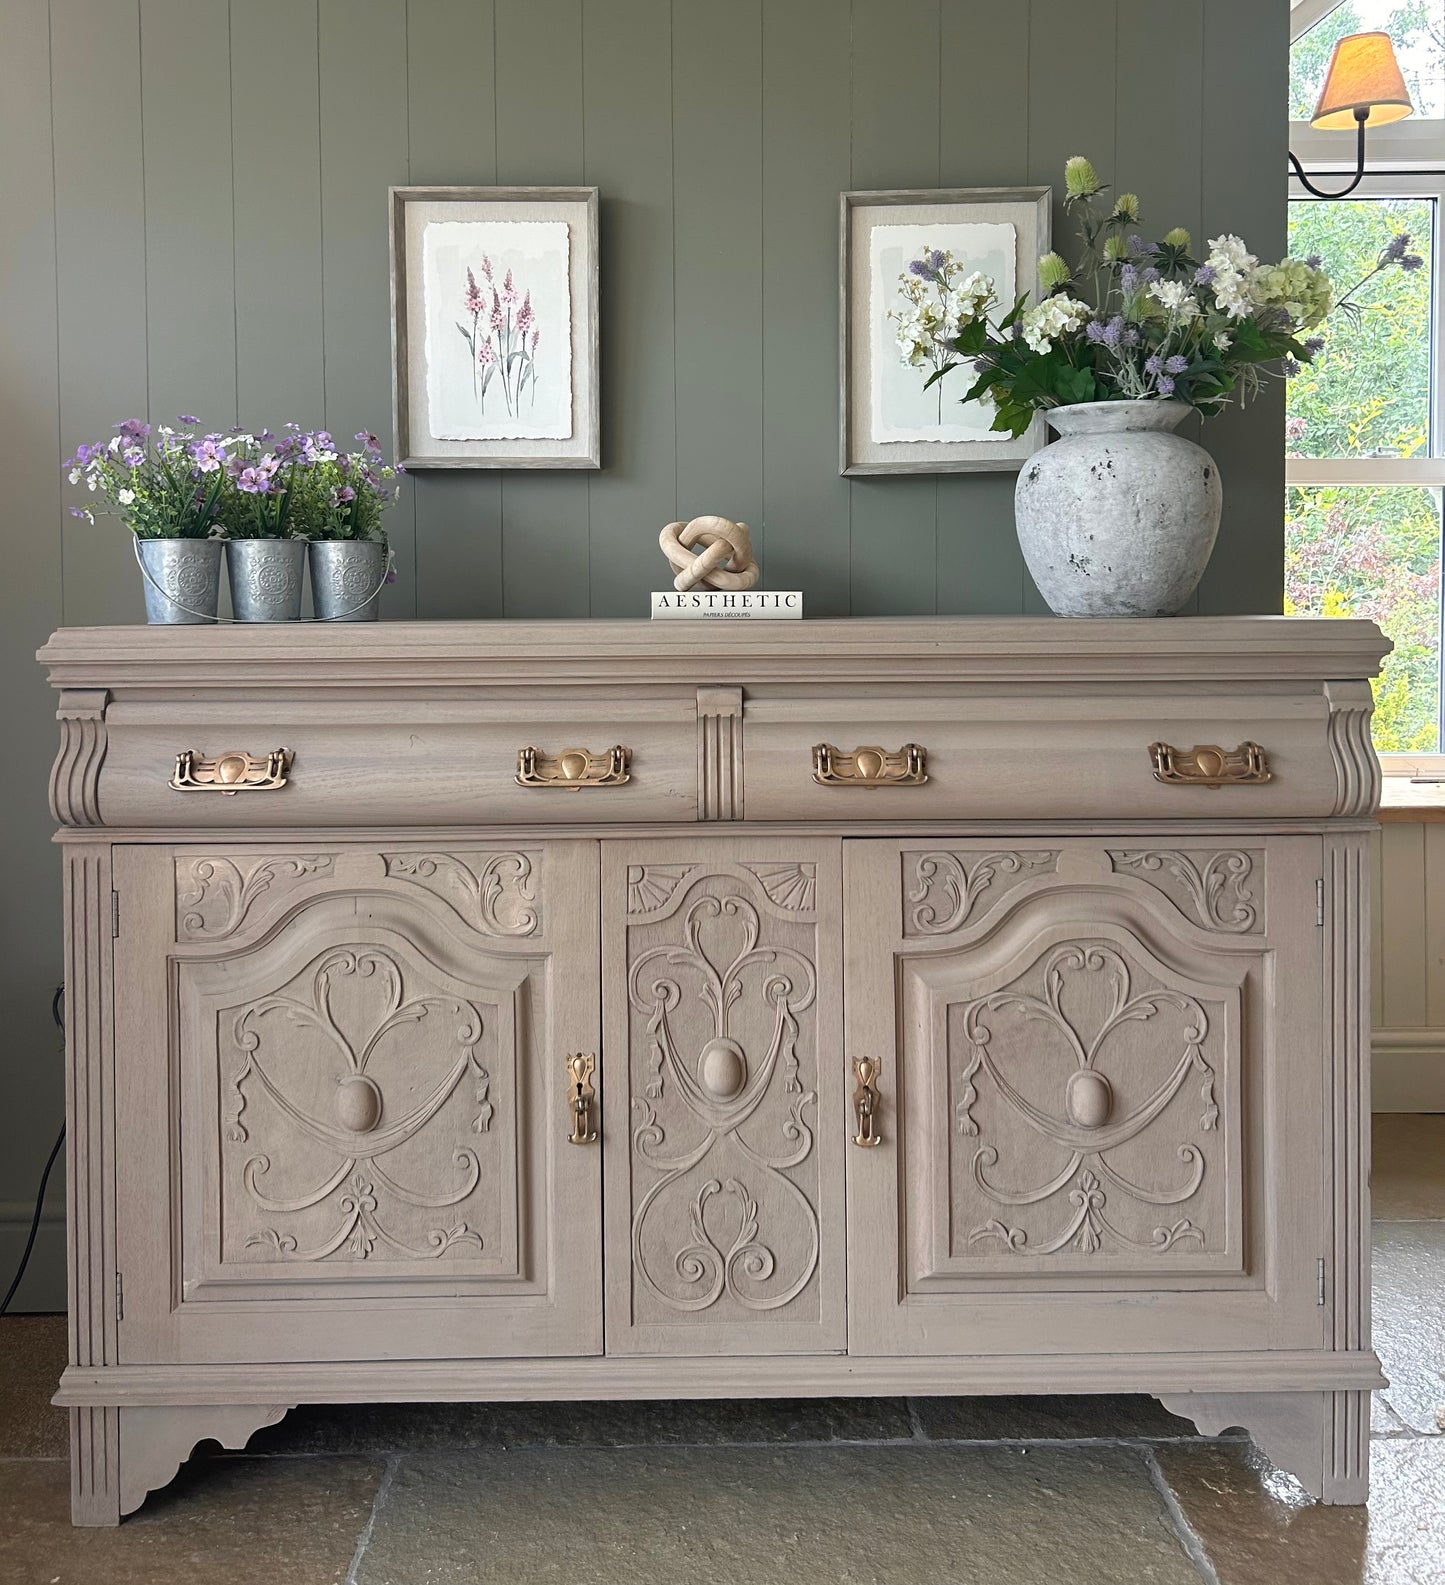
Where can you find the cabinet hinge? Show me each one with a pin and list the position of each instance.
(119, 1297)
(1320, 1280)
(1320, 903)
(114, 915)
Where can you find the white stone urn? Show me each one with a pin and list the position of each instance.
(1119, 516)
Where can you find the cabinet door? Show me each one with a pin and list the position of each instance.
(723, 1096)
(1102, 1095)
(342, 1107)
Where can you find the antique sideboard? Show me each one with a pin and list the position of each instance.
(603, 1010)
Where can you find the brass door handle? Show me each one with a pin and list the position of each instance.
(573, 768)
(865, 1103)
(580, 1097)
(870, 767)
(231, 773)
(1207, 765)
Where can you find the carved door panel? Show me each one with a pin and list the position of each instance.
(724, 1103)
(344, 1071)
(1102, 1090)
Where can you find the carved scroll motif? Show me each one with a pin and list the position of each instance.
(497, 899)
(1088, 1125)
(214, 894)
(281, 1039)
(1213, 891)
(947, 886)
(710, 1090)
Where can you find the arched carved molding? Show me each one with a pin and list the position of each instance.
(1213, 890)
(75, 776)
(945, 888)
(494, 893)
(215, 895)
(1357, 766)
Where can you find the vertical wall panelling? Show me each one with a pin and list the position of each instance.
(189, 209)
(1160, 88)
(983, 142)
(805, 167)
(100, 271)
(895, 137)
(29, 606)
(540, 141)
(452, 136)
(1073, 49)
(1409, 968)
(276, 120)
(628, 88)
(718, 253)
(1247, 572)
(363, 151)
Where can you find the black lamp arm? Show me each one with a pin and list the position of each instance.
(1361, 117)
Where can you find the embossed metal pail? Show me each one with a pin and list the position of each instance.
(346, 578)
(266, 578)
(181, 578)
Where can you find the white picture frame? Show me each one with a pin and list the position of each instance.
(887, 423)
(494, 310)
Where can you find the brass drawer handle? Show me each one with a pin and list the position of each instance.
(1207, 765)
(865, 1103)
(573, 768)
(580, 1096)
(231, 773)
(870, 767)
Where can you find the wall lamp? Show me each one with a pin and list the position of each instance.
(1363, 88)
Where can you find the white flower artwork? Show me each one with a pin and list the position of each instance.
(900, 410)
(498, 308)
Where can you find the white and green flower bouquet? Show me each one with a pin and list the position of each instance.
(1129, 320)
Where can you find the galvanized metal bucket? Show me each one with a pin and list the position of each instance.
(346, 578)
(181, 578)
(266, 577)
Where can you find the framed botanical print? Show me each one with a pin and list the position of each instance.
(893, 248)
(494, 327)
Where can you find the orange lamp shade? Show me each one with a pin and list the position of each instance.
(1363, 76)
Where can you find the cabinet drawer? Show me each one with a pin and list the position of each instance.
(403, 762)
(997, 756)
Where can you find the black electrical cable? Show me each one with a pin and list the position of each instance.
(56, 1014)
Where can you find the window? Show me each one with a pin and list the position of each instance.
(1366, 463)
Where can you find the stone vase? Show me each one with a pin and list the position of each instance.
(266, 578)
(346, 578)
(1119, 516)
(181, 578)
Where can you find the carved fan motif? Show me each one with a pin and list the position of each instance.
(720, 1121)
(331, 1124)
(1069, 1088)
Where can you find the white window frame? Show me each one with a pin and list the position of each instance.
(1406, 160)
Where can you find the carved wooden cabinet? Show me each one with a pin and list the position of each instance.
(497, 1011)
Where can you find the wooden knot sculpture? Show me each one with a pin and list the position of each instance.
(710, 552)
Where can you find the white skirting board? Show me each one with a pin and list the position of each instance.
(1409, 1070)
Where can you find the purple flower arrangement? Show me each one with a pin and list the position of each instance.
(1127, 320)
(502, 337)
(176, 482)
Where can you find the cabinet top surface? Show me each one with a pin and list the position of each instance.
(859, 649)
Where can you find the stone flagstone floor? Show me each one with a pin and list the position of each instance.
(926, 1491)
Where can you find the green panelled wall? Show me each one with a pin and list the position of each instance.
(194, 221)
